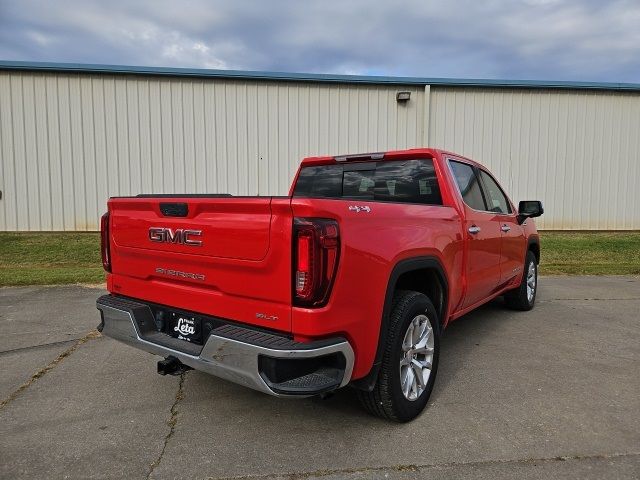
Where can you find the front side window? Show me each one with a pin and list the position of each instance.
(468, 184)
(496, 199)
(403, 181)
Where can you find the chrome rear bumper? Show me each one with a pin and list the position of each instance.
(231, 352)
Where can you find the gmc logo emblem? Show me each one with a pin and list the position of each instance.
(179, 236)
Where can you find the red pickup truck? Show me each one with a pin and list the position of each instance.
(349, 280)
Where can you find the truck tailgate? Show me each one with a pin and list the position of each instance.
(235, 262)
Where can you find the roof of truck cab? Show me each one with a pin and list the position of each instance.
(446, 153)
(395, 154)
(420, 152)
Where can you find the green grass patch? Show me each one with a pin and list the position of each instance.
(590, 253)
(50, 258)
(60, 258)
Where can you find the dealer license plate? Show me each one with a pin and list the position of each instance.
(186, 328)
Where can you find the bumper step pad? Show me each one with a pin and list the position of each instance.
(324, 380)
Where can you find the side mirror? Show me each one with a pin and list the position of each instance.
(529, 209)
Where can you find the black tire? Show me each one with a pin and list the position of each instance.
(518, 299)
(387, 399)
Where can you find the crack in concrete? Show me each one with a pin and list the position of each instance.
(40, 345)
(417, 468)
(173, 419)
(46, 369)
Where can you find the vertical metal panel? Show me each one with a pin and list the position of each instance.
(69, 141)
(576, 150)
(8, 207)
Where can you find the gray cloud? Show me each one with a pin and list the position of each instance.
(543, 39)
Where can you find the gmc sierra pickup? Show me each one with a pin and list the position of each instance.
(349, 280)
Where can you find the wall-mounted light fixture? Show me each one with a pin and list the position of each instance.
(402, 97)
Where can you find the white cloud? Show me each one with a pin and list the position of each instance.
(180, 50)
(39, 38)
(550, 39)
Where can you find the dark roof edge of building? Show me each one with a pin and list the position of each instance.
(308, 77)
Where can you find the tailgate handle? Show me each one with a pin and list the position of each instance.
(174, 209)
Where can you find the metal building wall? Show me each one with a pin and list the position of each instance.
(577, 150)
(69, 141)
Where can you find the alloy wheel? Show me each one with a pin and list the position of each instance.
(531, 281)
(416, 360)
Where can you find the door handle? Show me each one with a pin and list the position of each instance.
(473, 229)
(505, 228)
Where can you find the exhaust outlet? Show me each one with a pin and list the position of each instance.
(172, 366)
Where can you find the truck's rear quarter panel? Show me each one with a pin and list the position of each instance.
(371, 244)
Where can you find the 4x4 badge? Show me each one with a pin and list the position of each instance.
(360, 208)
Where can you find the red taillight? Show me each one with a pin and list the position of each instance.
(104, 242)
(316, 250)
(304, 263)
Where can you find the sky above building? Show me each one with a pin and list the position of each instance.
(584, 40)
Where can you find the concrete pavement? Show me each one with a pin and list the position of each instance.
(550, 393)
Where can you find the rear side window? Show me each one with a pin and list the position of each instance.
(496, 199)
(408, 181)
(469, 185)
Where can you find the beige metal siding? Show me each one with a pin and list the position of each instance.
(69, 141)
(578, 151)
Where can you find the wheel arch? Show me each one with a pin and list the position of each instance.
(424, 274)
(533, 244)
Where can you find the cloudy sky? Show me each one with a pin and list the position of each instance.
(596, 40)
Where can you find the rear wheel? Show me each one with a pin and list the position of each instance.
(524, 297)
(410, 360)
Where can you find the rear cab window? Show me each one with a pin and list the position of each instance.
(401, 181)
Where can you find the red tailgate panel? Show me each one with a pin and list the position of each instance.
(231, 228)
(241, 272)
